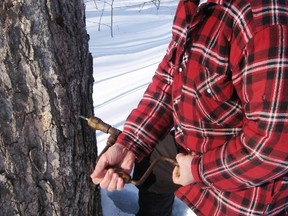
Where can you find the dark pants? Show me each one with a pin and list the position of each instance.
(156, 194)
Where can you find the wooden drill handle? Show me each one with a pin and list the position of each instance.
(97, 124)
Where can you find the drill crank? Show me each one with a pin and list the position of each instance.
(97, 124)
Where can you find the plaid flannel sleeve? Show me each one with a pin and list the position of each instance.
(152, 119)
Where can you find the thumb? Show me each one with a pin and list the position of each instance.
(179, 157)
(100, 168)
(176, 175)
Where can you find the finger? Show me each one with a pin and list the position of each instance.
(97, 180)
(179, 156)
(120, 184)
(177, 171)
(106, 180)
(113, 183)
(100, 168)
(97, 176)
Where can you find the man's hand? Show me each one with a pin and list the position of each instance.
(116, 155)
(182, 174)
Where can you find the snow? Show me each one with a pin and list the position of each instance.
(123, 66)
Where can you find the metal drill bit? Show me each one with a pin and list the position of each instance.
(83, 117)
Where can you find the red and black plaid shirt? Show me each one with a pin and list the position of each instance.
(223, 86)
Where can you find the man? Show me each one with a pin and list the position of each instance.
(221, 91)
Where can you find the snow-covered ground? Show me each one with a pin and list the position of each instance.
(123, 66)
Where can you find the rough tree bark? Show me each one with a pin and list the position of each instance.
(46, 154)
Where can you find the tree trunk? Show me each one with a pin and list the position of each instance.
(46, 152)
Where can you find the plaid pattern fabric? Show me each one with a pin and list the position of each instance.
(223, 86)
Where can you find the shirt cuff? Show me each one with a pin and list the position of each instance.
(130, 146)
